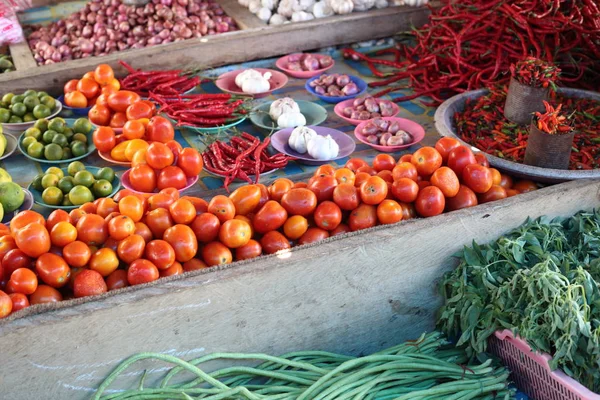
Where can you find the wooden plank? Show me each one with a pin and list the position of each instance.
(43, 3)
(244, 18)
(354, 294)
(22, 57)
(234, 47)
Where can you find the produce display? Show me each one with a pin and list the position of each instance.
(541, 281)
(26, 107)
(6, 64)
(57, 139)
(85, 92)
(286, 113)
(334, 85)
(483, 125)
(118, 108)
(386, 133)
(161, 83)
(107, 26)
(73, 186)
(422, 368)
(368, 107)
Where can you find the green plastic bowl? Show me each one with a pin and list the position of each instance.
(314, 114)
(216, 129)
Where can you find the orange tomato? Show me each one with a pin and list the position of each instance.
(99, 115)
(313, 235)
(374, 190)
(175, 269)
(299, 201)
(362, 217)
(104, 138)
(344, 175)
(245, 199)
(383, 162)
(104, 74)
(89, 283)
(182, 212)
(121, 226)
(206, 227)
(405, 170)
(92, 230)
(389, 212)
(279, 187)
(328, 215)
(139, 110)
(107, 91)
(346, 196)
(25, 218)
(496, 176)
(235, 233)
(160, 129)
(117, 120)
(159, 221)
(160, 200)
(250, 250)
(189, 160)
(216, 253)
(426, 160)
(131, 248)
(71, 86)
(133, 208)
(23, 281)
(143, 178)
(88, 87)
(76, 99)
(367, 169)
(325, 169)
(160, 253)
(445, 145)
(430, 202)
(6, 305)
(122, 99)
(62, 234)
(159, 156)
(270, 217)
(405, 190)
(273, 241)
(360, 178)
(386, 175)
(104, 261)
(222, 207)
(52, 270)
(33, 239)
(77, 254)
(295, 227)
(88, 75)
(194, 264)
(114, 85)
(183, 240)
(134, 130)
(446, 180)
(106, 206)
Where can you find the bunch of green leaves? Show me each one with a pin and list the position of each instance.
(541, 282)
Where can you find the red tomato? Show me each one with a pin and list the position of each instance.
(121, 227)
(362, 217)
(235, 233)
(160, 253)
(25, 218)
(270, 217)
(131, 248)
(328, 215)
(89, 283)
(122, 99)
(495, 193)
(373, 191)
(104, 74)
(88, 87)
(118, 120)
(216, 253)
(523, 186)
(92, 230)
(99, 115)
(446, 180)
(482, 160)
(190, 162)
(117, 280)
(346, 196)
(71, 86)
(478, 178)
(279, 187)
(445, 145)
(355, 163)
(19, 301)
(139, 110)
(7, 243)
(313, 235)
(144, 231)
(105, 206)
(383, 162)
(183, 240)
(322, 187)
(55, 217)
(405, 190)
(505, 181)
(104, 261)
(250, 250)
(299, 201)
(160, 200)
(426, 160)
(389, 212)
(459, 158)
(175, 269)
(200, 205)
(325, 169)
(171, 177)
(182, 211)
(222, 207)
(77, 254)
(430, 202)
(176, 148)
(160, 129)
(511, 192)
(33, 239)
(159, 156)
(193, 265)
(52, 270)
(13, 260)
(344, 175)
(405, 158)
(142, 271)
(143, 178)
(367, 170)
(341, 229)
(463, 199)
(6, 305)
(24, 281)
(45, 294)
(295, 226)
(245, 199)
(206, 227)
(405, 170)
(273, 241)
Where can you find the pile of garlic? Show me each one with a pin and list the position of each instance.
(277, 12)
(253, 82)
(286, 113)
(305, 140)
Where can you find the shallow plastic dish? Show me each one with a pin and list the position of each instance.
(339, 108)
(105, 155)
(90, 147)
(17, 129)
(70, 112)
(314, 114)
(362, 88)
(212, 130)
(283, 62)
(11, 146)
(127, 183)
(226, 82)
(416, 131)
(279, 141)
(27, 205)
(37, 195)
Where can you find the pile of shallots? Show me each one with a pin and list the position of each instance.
(106, 26)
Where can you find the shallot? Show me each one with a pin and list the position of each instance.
(308, 62)
(385, 133)
(364, 108)
(334, 85)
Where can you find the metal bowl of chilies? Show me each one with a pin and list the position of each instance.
(444, 123)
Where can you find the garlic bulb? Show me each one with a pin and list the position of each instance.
(291, 120)
(323, 148)
(299, 16)
(286, 7)
(303, 5)
(381, 3)
(300, 138)
(264, 14)
(363, 5)
(321, 9)
(254, 6)
(342, 6)
(411, 3)
(244, 3)
(257, 85)
(269, 4)
(277, 19)
(249, 73)
(282, 106)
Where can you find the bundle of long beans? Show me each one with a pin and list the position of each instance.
(470, 44)
(425, 369)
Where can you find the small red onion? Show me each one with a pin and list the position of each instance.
(123, 9)
(165, 33)
(87, 32)
(168, 25)
(154, 40)
(138, 31)
(110, 11)
(183, 2)
(86, 46)
(194, 19)
(187, 32)
(122, 46)
(91, 18)
(166, 2)
(203, 6)
(115, 3)
(130, 41)
(94, 7)
(48, 62)
(222, 27)
(64, 50)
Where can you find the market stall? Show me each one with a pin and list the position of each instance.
(157, 211)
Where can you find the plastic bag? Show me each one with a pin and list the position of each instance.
(10, 29)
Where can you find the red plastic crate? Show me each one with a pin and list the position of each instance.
(531, 373)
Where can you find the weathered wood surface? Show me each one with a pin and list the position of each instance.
(354, 294)
(229, 48)
(22, 57)
(244, 18)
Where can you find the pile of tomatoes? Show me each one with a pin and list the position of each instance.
(85, 92)
(135, 239)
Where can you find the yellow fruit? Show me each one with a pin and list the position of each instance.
(133, 147)
(139, 157)
(4, 176)
(118, 152)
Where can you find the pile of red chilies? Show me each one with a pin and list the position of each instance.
(201, 110)
(535, 73)
(471, 44)
(483, 125)
(163, 83)
(242, 157)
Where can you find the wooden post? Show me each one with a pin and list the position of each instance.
(22, 57)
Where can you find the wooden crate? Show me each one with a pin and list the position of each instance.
(255, 41)
(353, 294)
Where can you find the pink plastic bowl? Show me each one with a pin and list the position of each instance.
(226, 82)
(283, 62)
(416, 131)
(127, 183)
(339, 108)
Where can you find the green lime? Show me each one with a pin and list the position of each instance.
(48, 136)
(41, 94)
(69, 133)
(80, 195)
(30, 92)
(4, 115)
(41, 111)
(81, 137)
(7, 98)
(15, 120)
(67, 153)
(34, 133)
(41, 124)
(37, 182)
(106, 173)
(52, 196)
(35, 150)
(60, 140)
(57, 124)
(48, 102)
(66, 184)
(28, 141)
(84, 178)
(66, 201)
(17, 99)
(30, 102)
(56, 171)
(102, 188)
(11, 196)
(19, 109)
(49, 180)
(28, 117)
(53, 152)
(82, 125)
(78, 148)
(75, 167)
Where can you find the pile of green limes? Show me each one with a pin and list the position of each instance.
(53, 140)
(78, 187)
(26, 107)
